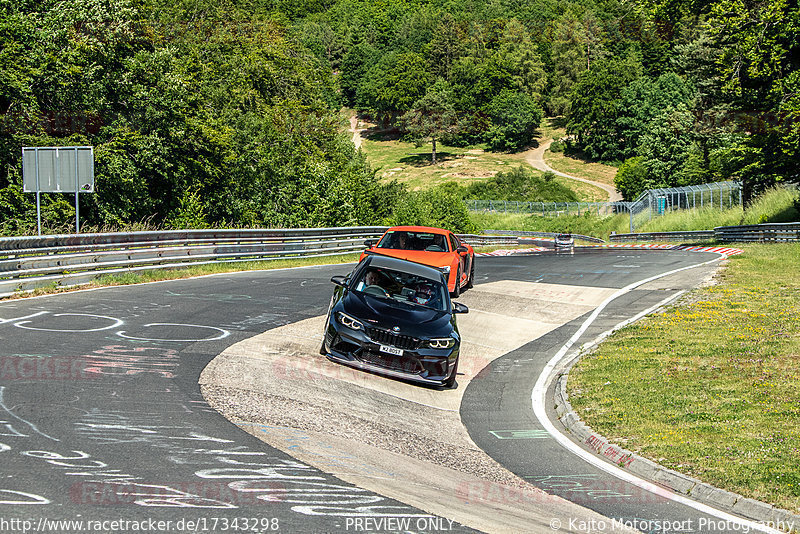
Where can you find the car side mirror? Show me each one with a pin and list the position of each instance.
(459, 308)
(339, 280)
(368, 243)
(462, 249)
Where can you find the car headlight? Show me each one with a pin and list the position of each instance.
(349, 322)
(442, 343)
(445, 270)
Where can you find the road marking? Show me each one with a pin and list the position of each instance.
(117, 322)
(539, 393)
(18, 418)
(222, 333)
(520, 434)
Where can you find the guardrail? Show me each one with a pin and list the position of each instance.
(773, 232)
(30, 262)
(700, 235)
(546, 235)
(767, 232)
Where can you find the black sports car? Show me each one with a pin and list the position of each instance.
(394, 317)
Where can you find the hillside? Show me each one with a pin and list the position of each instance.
(225, 113)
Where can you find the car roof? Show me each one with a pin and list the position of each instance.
(428, 229)
(410, 267)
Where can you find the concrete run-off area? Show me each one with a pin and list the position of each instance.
(398, 439)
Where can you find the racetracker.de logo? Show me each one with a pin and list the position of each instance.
(43, 368)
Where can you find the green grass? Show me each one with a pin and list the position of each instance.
(573, 163)
(411, 165)
(585, 225)
(711, 387)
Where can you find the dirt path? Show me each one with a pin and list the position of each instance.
(356, 131)
(535, 157)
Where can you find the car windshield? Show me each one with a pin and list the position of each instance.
(402, 287)
(406, 240)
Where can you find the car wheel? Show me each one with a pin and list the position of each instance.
(451, 380)
(457, 291)
(471, 274)
(322, 348)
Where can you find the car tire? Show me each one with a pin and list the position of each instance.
(471, 274)
(457, 291)
(322, 350)
(451, 380)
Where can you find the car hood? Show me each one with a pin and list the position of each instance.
(434, 259)
(417, 321)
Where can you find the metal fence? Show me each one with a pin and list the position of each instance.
(649, 204)
(547, 209)
(774, 232)
(30, 262)
(656, 202)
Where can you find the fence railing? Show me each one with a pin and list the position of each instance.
(30, 262)
(547, 209)
(656, 202)
(775, 232)
(649, 204)
(546, 235)
(699, 235)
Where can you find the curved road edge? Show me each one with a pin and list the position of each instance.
(647, 469)
(710, 498)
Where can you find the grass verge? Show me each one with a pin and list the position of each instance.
(157, 275)
(591, 170)
(710, 387)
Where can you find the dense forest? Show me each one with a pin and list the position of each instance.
(226, 112)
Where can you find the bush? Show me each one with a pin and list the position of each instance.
(521, 184)
(441, 207)
(632, 178)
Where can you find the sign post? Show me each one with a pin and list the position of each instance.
(63, 169)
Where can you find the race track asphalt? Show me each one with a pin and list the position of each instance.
(102, 419)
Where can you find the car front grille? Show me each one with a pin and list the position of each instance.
(386, 337)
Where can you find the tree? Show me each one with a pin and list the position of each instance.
(432, 117)
(515, 118)
(576, 43)
(666, 146)
(526, 70)
(594, 106)
(391, 86)
(632, 178)
(355, 64)
(641, 102)
(758, 68)
(446, 46)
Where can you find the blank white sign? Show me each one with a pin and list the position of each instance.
(63, 169)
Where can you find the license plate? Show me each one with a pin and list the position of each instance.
(391, 350)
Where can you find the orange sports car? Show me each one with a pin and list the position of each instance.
(430, 246)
